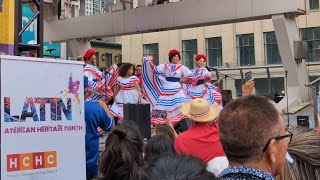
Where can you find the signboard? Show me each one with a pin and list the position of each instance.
(42, 119)
(49, 49)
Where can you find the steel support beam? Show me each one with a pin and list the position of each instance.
(183, 14)
(79, 46)
(287, 32)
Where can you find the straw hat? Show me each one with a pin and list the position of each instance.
(200, 110)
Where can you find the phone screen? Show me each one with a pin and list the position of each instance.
(247, 76)
(159, 113)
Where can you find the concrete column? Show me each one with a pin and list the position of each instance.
(201, 40)
(258, 43)
(126, 48)
(229, 47)
(287, 32)
(7, 27)
(79, 46)
(136, 47)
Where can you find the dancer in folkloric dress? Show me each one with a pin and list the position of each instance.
(202, 87)
(127, 90)
(162, 85)
(110, 78)
(93, 80)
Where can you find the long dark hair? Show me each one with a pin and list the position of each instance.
(124, 69)
(304, 150)
(165, 130)
(176, 166)
(122, 157)
(158, 145)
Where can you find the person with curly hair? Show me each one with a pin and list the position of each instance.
(127, 90)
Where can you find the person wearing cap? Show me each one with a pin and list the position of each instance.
(32, 53)
(202, 87)
(162, 85)
(201, 139)
(254, 138)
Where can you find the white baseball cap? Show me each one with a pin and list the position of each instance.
(32, 42)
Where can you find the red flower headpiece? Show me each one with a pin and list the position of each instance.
(173, 51)
(199, 56)
(89, 53)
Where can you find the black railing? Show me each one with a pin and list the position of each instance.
(18, 31)
(312, 85)
(241, 69)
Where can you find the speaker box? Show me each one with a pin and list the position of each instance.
(303, 121)
(182, 125)
(140, 114)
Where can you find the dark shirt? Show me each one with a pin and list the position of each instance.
(241, 172)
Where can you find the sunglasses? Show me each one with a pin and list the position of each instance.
(287, 138)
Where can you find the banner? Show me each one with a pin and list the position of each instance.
(42, 119)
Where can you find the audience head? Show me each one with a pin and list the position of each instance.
(252, 133)
(157, 146)
(176, 166)
(165, 130)
(304, 150)
(138, 69)
(126, 69)
(122, 157)
(32, 53)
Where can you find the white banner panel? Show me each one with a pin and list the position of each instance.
(42, 119)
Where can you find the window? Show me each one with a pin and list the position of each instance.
(189, 52)
(313, 4)
(97, 58)
(118, 58)
(312, 37)
(271, 49)
(152, 50)
(108, 59)
(245, 45)
(214, 51)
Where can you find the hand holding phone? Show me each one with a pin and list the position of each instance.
(159, 114)
(247, 88)
(247, 76)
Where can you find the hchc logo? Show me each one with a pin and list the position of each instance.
(31, 161)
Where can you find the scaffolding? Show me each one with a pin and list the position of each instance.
(18, 29)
